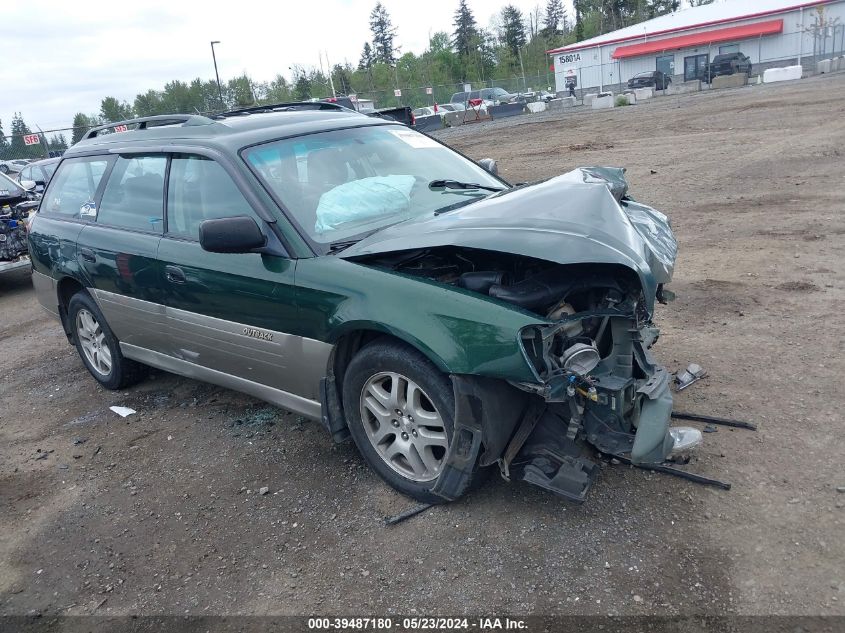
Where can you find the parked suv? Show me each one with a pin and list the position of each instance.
(651, 79)
(727, 64)
(493, 95)
(362, 274)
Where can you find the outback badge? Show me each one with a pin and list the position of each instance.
(264, 336)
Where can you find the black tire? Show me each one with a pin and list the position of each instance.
(123, 372)
(385, 356)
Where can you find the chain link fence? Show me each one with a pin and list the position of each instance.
(16, 150)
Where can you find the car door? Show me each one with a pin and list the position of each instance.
(116, 249)
(230, 315)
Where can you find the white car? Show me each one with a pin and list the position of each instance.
(13, 166)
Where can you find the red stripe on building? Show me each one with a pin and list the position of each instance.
(744, 32)
(580, 47)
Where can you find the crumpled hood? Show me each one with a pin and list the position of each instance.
(579, 217)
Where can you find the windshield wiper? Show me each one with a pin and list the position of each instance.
(457, 184)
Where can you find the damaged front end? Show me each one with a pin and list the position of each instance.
(590, 263)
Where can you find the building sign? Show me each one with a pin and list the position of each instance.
(31, 139)
(397, 93)
(120, 128)
(429, 91)
(569, 58)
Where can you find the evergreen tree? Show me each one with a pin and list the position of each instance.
(81, 124)
(3, 141)
(367, 58)
(57, 143)
(383, 34)
(554, 20)
(579, 6)
(512, 34)
(302, 87)
(465, 37)
(341, 78)
(112, 110)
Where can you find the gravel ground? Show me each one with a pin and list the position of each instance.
(160, 512)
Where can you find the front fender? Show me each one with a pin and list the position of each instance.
(461, 332)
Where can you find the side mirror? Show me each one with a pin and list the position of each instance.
(488, 164)
(29, 185)
(238, 234)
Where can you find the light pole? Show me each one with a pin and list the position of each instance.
(216, 74)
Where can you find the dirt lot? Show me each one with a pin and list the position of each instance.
(159, 512)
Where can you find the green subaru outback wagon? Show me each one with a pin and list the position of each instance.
(362, 274)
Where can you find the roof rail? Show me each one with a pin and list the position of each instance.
(277, 107)
(157, 120)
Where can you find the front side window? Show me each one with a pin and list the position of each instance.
(71, 193)
(341, 184)
(200, 189)
(134, 194)
(26, 174)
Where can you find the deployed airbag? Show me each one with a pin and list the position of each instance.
(363, 200)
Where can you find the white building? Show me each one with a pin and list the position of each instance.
(770, 32)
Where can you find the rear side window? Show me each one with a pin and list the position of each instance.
(71, 193)
(200, 189)
(134, 194)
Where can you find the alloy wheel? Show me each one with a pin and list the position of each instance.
(404, 426)
(92, 340)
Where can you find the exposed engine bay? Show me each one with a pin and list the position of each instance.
(588, 264)
(599, 381)
(13, 232)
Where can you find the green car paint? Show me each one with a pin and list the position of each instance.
(461, 332)
(272, 318)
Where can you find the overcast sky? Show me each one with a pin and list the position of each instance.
(58, 58)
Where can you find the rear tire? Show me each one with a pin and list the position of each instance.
(400, 411)
(98, 347)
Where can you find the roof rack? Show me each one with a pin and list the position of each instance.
(281, 107)
(158, 120)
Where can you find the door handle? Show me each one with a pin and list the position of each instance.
(174, 274)
(87, 254)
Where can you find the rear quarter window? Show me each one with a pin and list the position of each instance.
(72, 191)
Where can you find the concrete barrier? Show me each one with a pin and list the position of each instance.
(823, 66)
(588, 99)
(559, 104)
(836, 64)
(730, 81)
(643, 93)
(684, 87)
(506, 110)
(537, 106)
(428, 123)
(787, 73)
(600, 103)
(630, 97)
(454, 119)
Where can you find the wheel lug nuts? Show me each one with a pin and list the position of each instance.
(404, 436)
(410, 418)
(414, 433)
(395, 422)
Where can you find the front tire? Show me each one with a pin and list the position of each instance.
(400, 412)
(97, 345)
